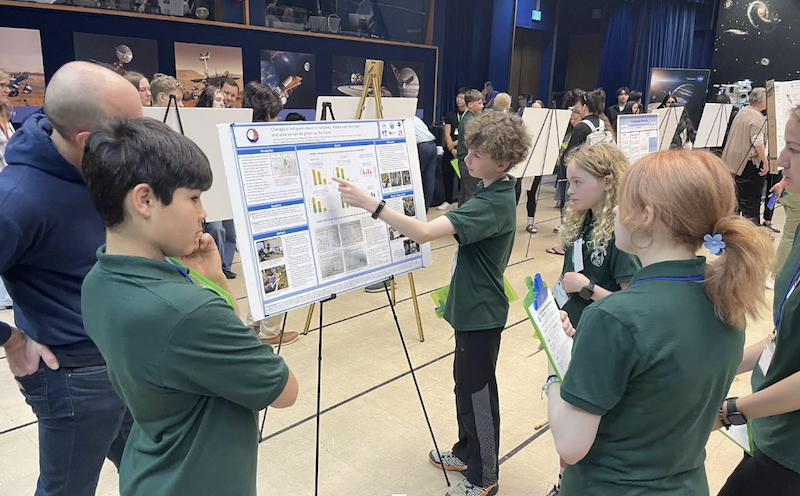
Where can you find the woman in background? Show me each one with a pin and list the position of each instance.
(212, 96)
(142, 85)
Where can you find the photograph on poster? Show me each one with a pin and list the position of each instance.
(686, 86)
(293, 74)
(751, 36)
(198, 66)
(269, 249)
(118, 53)
(21, 58)
(274, 278)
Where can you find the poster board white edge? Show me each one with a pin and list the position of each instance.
(346, 107)
(713, 124)
(543, 155)
(200, 126)
(667, 125)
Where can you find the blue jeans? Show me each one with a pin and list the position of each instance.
(82, 421)
(427, 166)
(224, 235)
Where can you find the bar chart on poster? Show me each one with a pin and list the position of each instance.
(299, 241)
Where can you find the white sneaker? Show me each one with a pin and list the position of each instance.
(770, 284)
(444, 206)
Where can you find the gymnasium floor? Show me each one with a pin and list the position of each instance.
(374, 439)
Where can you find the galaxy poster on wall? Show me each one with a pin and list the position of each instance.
(399, 78)
(198, 66)
(293, 76)
(687, 86)
(118, 53)
(21, 58)
(755, 41)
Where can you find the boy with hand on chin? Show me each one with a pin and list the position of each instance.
(192, 374)
(476, 306)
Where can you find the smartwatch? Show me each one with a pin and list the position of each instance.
(735, 417)
(587, 292)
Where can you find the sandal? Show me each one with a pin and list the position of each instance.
(555, 251)
(771, 227)
(531, 229)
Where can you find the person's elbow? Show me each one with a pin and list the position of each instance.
(288, 396)
(570, 451)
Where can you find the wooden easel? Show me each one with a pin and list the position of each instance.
(373, 73)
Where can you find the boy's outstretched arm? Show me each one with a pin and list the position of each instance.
(416, 230)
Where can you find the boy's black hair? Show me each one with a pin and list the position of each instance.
(622, 89)
(122, 153)
(294, 116)
(635, 96)
(266, 104)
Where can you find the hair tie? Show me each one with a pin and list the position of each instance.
(714, 243)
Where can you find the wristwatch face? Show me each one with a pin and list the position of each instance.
(736, 418)
(586, 293)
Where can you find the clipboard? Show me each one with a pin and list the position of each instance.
(440, 297)
(543, 313)
(742, 435)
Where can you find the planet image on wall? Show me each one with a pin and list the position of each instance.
(760, 18)
(407, 81)
(269, 73)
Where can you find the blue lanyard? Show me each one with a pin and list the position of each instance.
(792, 284)
(690, 278)
(184, 272)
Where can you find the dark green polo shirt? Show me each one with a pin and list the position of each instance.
(485, 228)
(778, 436)
(656, 363)
(607, 270)
(461, 148)
(193, 376)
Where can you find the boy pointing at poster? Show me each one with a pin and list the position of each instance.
(192, 374)
(476, 306)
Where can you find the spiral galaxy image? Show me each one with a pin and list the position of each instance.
(753, 39)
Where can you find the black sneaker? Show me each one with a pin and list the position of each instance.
(229, 274)
(554, 491)
(448, 459)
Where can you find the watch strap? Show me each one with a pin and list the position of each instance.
(378, 210)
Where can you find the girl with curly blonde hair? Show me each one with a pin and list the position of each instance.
(593, 266)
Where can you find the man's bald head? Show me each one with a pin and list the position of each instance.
(81, 95)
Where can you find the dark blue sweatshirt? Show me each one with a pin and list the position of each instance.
(49, 235)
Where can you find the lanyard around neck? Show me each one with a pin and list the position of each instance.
(184, 272)
(792, 285)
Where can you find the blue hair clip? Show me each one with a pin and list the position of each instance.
(714, 243)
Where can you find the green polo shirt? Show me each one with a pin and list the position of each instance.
(193, 376)
(778, 436)
(607, 270)
(485, 228)
(461, 148)
(656, 363)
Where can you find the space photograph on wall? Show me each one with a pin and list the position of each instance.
(293, 75)
(755, 40)
(399, 78)
(687, 86)
(198, 66)
(21, 58)
(118, 53)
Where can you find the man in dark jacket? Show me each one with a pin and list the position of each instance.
(50, 233)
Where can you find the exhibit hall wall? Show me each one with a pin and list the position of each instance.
(58, 28)
(756, 40)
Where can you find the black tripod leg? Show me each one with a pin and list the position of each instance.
(414, 376)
